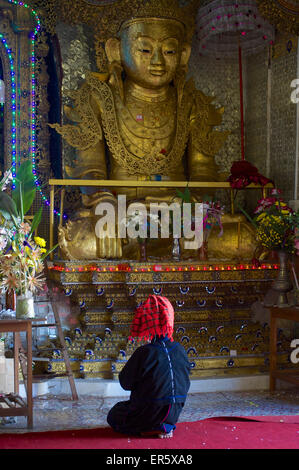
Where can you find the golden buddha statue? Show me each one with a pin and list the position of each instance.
(151, 122)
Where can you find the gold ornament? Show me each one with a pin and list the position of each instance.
(283, 14)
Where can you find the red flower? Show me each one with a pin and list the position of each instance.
(243, 168)
(243, 173)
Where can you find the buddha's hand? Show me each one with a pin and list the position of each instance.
(109, 244)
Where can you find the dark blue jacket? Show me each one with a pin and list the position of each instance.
(157, 372)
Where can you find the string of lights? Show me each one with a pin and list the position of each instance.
(13, 107)
(161, 268)
(32, 112)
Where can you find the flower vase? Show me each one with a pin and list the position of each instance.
(25, 306)
(203, 251)
(10, 300)
(176, 249)
(142, 251)
(2, 350)
(282, 285)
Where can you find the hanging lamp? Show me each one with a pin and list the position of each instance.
(234, 29)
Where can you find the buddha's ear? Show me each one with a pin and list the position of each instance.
(185, 54)
(180, 76)
(112, 48)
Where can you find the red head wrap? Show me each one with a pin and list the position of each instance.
(153, 317)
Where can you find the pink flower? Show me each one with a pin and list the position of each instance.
(275, 192)
(25, 228)
(3, 243)
(11, 282)
(35, 282)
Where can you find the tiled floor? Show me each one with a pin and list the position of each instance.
(60, 412)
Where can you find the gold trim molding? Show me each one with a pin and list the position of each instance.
(283, 14)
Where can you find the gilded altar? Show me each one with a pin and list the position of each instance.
(213, 314)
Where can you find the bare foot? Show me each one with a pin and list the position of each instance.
(159, 434)
(165, 435)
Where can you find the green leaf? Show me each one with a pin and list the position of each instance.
(20, 201)
(8, 207)
(36, 220)
(185, 196)
(180, 194)
(248, 216)
(48, 252)
(25, 191)
(208, 198)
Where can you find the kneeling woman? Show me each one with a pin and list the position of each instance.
(157, 374)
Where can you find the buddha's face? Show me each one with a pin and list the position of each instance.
(151, 52)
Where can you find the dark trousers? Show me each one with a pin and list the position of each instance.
(129, 418)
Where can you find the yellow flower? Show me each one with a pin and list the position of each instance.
(280, 203)
(261, 216)
(40, 241)
(43, 250)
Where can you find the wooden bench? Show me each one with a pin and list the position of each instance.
(16, 405)
(288, 375)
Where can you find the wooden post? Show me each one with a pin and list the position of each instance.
(51, 219)
(29, 377)
(273, 348)
(232, 203)
(239, 233)
(241, 102)
(62, 194)
(16, 338)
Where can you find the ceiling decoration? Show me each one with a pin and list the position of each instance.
(223, 25)
(69, 11)
(99, 2)
(282, 14)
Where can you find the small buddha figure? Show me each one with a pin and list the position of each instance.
(145, 116)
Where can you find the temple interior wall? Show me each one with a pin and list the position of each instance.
(271, 132)
(283, 124)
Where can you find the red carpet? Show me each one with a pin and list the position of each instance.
(265, 432)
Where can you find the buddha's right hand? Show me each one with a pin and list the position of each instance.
(109, 245)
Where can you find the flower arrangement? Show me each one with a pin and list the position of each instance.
(276, 224)
(212, 214)
(22, 266)
(21, 253)
(243, 173)
(138, 224)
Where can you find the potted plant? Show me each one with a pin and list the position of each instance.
(212, 214)
(21, 252)
(277, 230)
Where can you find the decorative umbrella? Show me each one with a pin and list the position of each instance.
(227, 29)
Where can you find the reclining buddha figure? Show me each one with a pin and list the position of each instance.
(141, 121)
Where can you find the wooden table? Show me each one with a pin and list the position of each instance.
(17, 326)
(288, 375)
